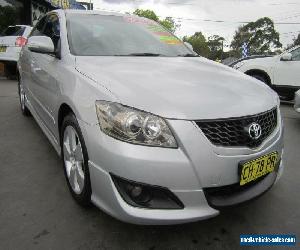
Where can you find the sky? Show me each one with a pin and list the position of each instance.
(192, 13)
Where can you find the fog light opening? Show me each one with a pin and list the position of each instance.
(145, 195)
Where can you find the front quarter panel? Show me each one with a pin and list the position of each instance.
(266, 65)
(80, 93)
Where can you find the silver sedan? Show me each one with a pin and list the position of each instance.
(147, 131)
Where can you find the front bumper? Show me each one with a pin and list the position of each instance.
(297, 101)
(231, 195)
(187, 171)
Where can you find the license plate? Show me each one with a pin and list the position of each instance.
(2, 49)
(259, 167)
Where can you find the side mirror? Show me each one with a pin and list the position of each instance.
(41, 44)
(286, 57)
(190, 46)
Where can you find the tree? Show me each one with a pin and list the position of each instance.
(297, 41)
(146, 13)
(199, 43)
(215, 44)
(260, 37)
(231, 53)
(168, 22)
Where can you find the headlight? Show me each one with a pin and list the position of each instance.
(238, 65)
(134, 126)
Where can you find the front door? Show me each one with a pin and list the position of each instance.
(45, 71)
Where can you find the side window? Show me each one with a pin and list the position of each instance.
(296, 55)
(52, 29)
(38, 29)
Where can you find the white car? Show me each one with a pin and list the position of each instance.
(282, 72)
(11, 42)
(147, 131)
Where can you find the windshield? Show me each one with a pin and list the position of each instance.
(102, 35)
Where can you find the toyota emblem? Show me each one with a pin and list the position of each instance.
(254, 131)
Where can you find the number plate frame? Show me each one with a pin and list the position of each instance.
(252, 170)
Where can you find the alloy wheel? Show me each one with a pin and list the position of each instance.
(22, 95)
(73, 159)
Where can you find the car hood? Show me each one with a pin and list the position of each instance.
(262, 60)
(179, 87)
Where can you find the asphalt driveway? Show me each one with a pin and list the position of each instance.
(37, 211)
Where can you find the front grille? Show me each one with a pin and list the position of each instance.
(233, 132)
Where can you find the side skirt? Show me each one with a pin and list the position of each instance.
(46, 131)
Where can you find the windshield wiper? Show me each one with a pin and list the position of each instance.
(142, 54)
(188, 55)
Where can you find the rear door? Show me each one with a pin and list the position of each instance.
(27, 64)
(287, 73)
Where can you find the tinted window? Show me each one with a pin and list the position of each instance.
(296, 55)
(52, 29)
(14, 31)
(96, 35)
(38, 29)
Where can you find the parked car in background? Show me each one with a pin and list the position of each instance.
(12, 40)
(282, 72)
(297, 101)
(148, 131)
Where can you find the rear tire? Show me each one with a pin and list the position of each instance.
(22, 98)
(75, 161)
(11, 71)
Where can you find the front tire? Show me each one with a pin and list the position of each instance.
(75, 160)
(260, 78)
